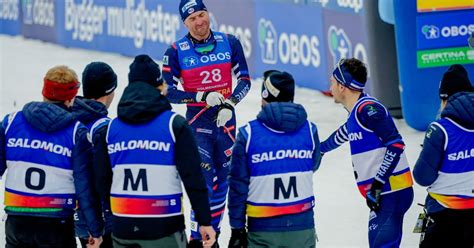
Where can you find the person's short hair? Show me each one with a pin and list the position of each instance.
(352, 73)
(60, 84)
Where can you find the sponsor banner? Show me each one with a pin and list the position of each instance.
(126, 27)
(286, 44)
(345, 38)
(10, 17)
(445, 57)
(38, 19)
(443, 5)
(223, 20)
(440, 30)
(345, 6)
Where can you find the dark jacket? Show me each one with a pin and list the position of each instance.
(49, 118)
(459, 108)
(141, 103)
(279, 116)
(88, 111)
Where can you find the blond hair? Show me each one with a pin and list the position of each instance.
(61, 74)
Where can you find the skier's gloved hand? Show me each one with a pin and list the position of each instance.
(373, 195)
(238, 238)
(211, 98)
(224, 114)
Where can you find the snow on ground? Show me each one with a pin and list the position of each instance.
(341, 214)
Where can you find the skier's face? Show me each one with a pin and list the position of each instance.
(198, 25)
(336, 90)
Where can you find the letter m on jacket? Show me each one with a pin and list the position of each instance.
(135, 183)
(280, 187)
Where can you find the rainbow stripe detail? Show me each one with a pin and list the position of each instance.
(399, 181)
(267, 210)
(454, 201)
(161, 206)
(17, 199)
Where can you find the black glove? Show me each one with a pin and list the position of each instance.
(238, 238)
(373, 195)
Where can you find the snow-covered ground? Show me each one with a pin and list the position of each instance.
(341, 214)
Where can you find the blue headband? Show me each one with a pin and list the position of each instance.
(344, 77)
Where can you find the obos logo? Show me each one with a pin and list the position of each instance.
(39, 12)
(288, 48)
(433, 32)
(242, 33)
(430, 32)
(340, 46)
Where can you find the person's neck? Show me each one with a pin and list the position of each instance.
(102, 100)
(351, 100)
(199, 40)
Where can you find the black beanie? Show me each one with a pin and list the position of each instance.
(278, 86)
(454, 80)
(98, 80)
(144, 69)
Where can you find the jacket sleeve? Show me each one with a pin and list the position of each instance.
(431, 157)
(3, 143)
(82, 168)
(239, 180)
(317, 148)
(188, 163)
(375, 117)
(101, 163)
(172, 75)
(240, 70)
(335, 140)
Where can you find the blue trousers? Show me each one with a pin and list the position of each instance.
(215, 148)
(385, 225)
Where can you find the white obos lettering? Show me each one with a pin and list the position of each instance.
(454, 31)
(39, 145)
(356, 5)
(215, 57)
(152, 145)
(355, 136)
(43, 12)
(242, 33)
(9, 9)
(281, 154)
(461, 155)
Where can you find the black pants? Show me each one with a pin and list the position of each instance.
(451, 228)
(39, 232)
(106, 242)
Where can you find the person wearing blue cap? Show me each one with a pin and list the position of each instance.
(271, 178)
(380, 165)
(203, 61)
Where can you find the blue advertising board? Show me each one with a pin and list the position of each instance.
(10, 17)
(345, 38)
(38, 20)
(444, 29)
(125, 27)
(293, 44)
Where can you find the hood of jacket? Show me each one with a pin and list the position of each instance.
(48, 117)
(141, 103)
(283, 116)
(460, 108)
(87, 110)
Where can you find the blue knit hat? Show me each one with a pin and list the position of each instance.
(187, 7)
(344, 77)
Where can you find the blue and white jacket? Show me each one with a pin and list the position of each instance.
(47, 149)
(272, 165)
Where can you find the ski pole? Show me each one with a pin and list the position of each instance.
(198, 114)
(227, 130)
